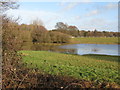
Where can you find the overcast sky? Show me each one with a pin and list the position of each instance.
(102, 16)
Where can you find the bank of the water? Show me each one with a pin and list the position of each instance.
(95, 40)
(98, 68)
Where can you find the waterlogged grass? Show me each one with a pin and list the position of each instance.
(96, 68)
(96, 40)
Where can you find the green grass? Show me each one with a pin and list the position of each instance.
(96, 68)
(96, 40)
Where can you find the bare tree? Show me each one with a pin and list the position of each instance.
(7, 4)
(61, 25)
(37, 22)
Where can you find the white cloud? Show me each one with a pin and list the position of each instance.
(71, 5)
(61, 4)
(27, 16)
(78, 17)
(102, 9)
(111, 6)
(68, 6)
(99, 24)
(91, 13)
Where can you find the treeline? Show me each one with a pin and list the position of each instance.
(74, 31)
(39, 34)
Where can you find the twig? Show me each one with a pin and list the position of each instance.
(72, 84)
(22, 81)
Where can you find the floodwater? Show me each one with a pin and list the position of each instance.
(103, 49)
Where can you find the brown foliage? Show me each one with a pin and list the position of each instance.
(58, 37)
(38, 33)
(74, 31)
(14, 73)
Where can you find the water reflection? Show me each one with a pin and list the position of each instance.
(79, 49)
(47, 47)
(82, 49)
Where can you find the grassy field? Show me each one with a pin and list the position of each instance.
(96, 68)
(96, 40)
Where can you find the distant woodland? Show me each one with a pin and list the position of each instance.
(36, 32)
